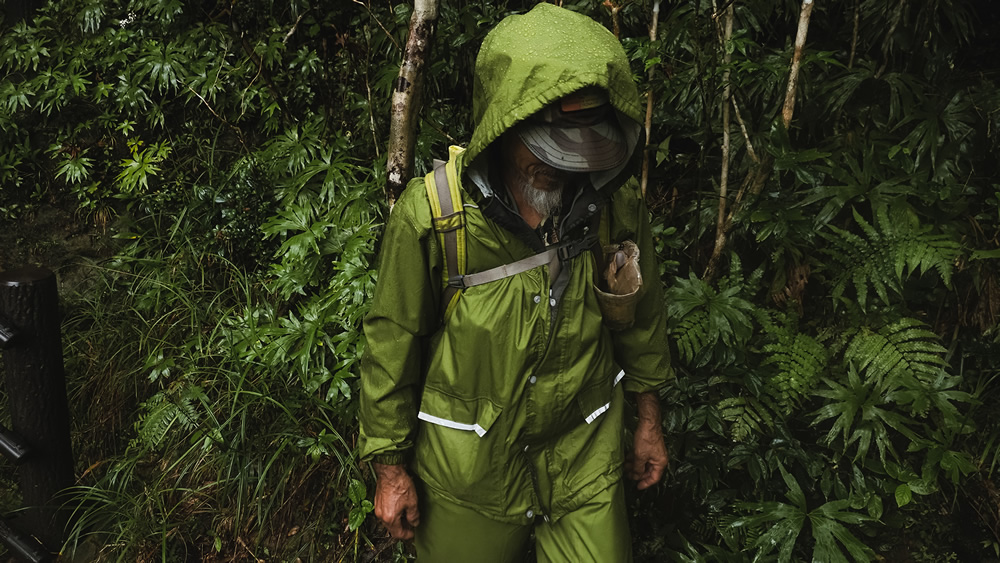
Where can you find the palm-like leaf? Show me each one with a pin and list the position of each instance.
(861, 416)
(828, 525)
(707, 322)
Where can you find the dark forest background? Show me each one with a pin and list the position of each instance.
(207, 179)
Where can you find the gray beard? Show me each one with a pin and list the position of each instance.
(544, 202)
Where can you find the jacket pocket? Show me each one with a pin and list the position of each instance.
(473, 415)
(596, 400)
(455, 451)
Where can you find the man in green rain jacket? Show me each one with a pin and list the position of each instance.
(503, 417)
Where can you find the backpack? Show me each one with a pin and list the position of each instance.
(443, 188)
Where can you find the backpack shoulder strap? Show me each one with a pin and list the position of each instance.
(445, 197)
(603, 239)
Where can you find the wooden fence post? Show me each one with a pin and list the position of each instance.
(36, 393)
(23, 547)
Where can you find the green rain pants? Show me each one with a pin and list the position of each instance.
(595, 532)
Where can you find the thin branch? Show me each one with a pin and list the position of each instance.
(793, 76)
(278, 97)
(239, 133)
(379, 23)
(746, 183)
(442, 132)
(721, 11)
(721, 222)
(854, 35)
(615, 8)
(649, 106)
(763, 171)
(743, 129)
(368, 89)
(756, 180)
(295, 27)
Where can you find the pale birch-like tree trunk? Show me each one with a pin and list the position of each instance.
(405, 109)
(793, 76)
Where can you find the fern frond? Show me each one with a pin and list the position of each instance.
(692, 336)
(187, 406)
(737, 279)
(801, 362)
(899, 349)
(735, 536)
(794, 362)
(766, 319)
(857, 254)
(154, 426)
(748, 415)
(895, 247)
(918, 254)
(163, 412)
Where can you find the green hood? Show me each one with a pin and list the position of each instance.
(528, 61)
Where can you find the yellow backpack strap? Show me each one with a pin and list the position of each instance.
(443, 192)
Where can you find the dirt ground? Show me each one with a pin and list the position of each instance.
(56, 238)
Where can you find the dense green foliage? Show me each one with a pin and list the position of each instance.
(235, 152)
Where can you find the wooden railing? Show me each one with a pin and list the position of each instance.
(38, 442)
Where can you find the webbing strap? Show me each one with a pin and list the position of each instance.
(449, 237)
(603, 238)
(550, 257)
(504, 271)
(444, 195)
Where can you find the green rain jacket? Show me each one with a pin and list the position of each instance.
(513, 405)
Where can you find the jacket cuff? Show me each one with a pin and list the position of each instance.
(645, 385)
(392, 458)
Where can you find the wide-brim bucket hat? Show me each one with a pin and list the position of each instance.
(577, 133)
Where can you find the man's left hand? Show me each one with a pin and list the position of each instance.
(648, 460)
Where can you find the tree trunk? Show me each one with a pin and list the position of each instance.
(757, 177)
(793, 76)
(721, 226)
(406, 98)
(788, 108)
(36, 389)
(649, 107)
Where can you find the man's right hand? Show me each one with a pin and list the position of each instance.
(396, 500)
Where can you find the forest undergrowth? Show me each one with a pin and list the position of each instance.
(832, 270)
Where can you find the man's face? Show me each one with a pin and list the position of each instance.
(531, 171)
(534, 184)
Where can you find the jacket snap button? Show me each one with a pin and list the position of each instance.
(538, 299)
(526, 449)
(592, 208)
(532, 379)
(529, 514)
(552, 302)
